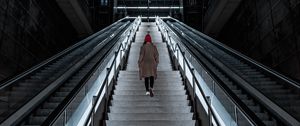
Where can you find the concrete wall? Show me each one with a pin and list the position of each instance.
(31, 31)
(269, 32)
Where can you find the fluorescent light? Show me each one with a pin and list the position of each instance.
(147, 7)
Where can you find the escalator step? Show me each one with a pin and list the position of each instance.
(255, 109)
(262, 116)
(43, 112)
(248, 102)
(65, 89)
(37, 120)
(50, 105)
(56, 99)
(61, 94)
(242, 96)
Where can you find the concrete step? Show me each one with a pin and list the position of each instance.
(148, 98)
(151, 109)
(159, 78)
(149, 103)
(138, 82)
(156, 86)
(150, 116)
(157, 92)
(158, 72)
(151, 123)
(141, 88)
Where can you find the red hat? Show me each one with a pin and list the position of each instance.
(148, 38)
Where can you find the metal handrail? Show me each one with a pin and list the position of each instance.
(195, 81)
(67, 101)
(69, 49)
(281, 115)
(244, 57)
(106, 81)
(237, 102)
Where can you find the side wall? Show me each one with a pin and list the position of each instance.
(267, 31)
(31, 31)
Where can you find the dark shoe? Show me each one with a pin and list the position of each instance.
(151, 93)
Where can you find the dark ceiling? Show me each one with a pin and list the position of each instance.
(140, 8)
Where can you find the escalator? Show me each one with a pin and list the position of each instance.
(47, 85)
(268, 97)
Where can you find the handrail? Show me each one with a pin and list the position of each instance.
(105, 82)
(198, 84)
(237, 102)
(281, 114)
(241, 106)
(69, 49)
(67, 101)
(244, 57)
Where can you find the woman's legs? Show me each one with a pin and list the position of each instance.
(147, 83)
(151, 86)
(151, 79)
(151, 82)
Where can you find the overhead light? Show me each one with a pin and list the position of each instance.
(147, 7)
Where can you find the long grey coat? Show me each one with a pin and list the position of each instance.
(148, 60)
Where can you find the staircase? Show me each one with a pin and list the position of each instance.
(170, 105)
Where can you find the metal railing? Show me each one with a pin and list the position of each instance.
(66, 110)
(112, 70)
(14, 105)
(186, 67)
(234, 106)
(278, 109)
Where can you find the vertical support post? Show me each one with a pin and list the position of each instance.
(115, 66)
(106, 91)
(65, 117)
(121, 60)
(235, 115)
(214, 87)
(194, 82)
(93, 112)
(177, 58)
(184, 71)
(209, 111)
(194, 94)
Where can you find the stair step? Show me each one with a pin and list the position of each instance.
(157, 92)
(155, 82)
(149, 103)
(143, 88)
(151, 109)
(148, 98)
(151, 123)
(150, 116)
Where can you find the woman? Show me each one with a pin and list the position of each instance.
(148, 61)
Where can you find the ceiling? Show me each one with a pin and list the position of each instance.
(140, 8)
